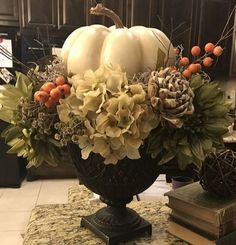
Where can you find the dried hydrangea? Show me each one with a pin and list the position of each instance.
(115, 114)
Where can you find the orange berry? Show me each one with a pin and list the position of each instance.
(184, 61)
(41, 96)
(60, 80)
(193, 68)
(65, 88)
(207, 61)
(209, 47)
(187, 73)
(199, 67)
(50, 103)
(48, 86)
(55, 93)
(217, 51)
(195, 50)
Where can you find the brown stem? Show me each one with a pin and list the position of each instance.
(101, 10)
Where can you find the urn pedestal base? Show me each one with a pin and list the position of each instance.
(114, 225)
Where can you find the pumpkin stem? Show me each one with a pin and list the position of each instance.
(101, 10)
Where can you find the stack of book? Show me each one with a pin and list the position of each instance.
(201, 218)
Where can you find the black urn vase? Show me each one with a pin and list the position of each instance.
(116, 185)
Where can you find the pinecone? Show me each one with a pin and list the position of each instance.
(170, 95)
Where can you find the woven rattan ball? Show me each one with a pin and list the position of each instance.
(218, 174)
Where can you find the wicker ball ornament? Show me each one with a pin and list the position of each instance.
(218, 174)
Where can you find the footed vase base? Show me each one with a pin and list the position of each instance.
(113, 236)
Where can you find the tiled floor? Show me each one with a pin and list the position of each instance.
(16, 204)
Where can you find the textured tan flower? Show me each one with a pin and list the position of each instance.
(170, 95)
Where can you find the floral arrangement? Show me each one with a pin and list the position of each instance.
(176, 111)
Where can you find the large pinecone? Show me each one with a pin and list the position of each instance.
(170, 95)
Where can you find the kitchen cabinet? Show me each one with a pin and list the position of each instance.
(212, 18)
(187, 22)
(9, 15)
(38, 14)
(12, 168)
(119, 7)
(71, 14)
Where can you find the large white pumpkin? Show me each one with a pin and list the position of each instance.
(135, 50)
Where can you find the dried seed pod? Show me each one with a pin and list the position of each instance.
(172, 96)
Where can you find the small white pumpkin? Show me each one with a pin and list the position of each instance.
(135, 50)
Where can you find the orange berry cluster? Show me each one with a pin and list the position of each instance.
(205, 60)
(50, 92)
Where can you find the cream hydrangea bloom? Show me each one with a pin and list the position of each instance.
(116, 114)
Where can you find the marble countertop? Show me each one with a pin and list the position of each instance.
(59, 224)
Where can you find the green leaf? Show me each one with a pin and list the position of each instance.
(167, 156)
(30, 90)
(196, 82)
(55, 142)
(32, 162)
(155, 141)
(185, 150)
(207, 92)
(13, 141)
(222, 121)
(18, 146)
(9, 90)
(196, 148)
(11, 132)
(6, 115)
(183, 160)
(206, 144)
(228, 105)
(216, 111)
(197, 162)
(183, 141)
(50, 161)
(22, 83)
(22, 152)
(216, 129)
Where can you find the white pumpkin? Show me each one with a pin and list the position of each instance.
(135, 50)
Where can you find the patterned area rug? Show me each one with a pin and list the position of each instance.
(59, 224)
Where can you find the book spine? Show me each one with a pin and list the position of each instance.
(194, 229)
(191, 221)
(204, 225)
(188, 235)
(197, 212)
(228, 227)
(196, 238)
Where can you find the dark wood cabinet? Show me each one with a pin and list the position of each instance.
(12, 168)
(177, 19)
(213, 15)
(119, 7)
(187, 22)
(9, 14)
(71, 14)
(36, 14)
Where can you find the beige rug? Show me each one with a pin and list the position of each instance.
(59, 224)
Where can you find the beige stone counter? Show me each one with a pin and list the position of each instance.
(59, 224)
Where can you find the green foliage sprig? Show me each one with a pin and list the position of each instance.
(31, 130)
